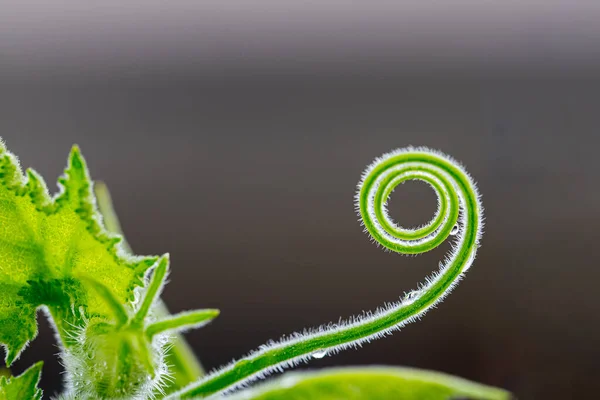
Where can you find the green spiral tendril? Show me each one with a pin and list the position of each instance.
(459, 214)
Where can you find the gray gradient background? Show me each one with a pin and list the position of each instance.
(233, 135)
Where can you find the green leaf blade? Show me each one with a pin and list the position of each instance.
(47, 247)
(22, 387)
(18, 323)
(370, 383)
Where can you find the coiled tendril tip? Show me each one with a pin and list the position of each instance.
(459, 214)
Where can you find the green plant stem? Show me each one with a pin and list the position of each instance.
(184, 366)
(455, 191)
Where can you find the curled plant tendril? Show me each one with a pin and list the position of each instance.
(459, 213)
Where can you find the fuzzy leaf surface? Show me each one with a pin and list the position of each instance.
(371, 383)
(22, 387)
(48, 245)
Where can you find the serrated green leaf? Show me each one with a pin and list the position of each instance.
(22, 387)
(48, 245)
(371, 383)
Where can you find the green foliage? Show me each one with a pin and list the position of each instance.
(48, 246)
(56, 254)
(456, 192)
(371, 383)
(118, 341)
(184, 368)
(125, 357)
(22, 387)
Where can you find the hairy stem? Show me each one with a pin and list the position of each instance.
(184, 366)
(459, 214)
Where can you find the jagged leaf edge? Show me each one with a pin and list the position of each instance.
(30, 377)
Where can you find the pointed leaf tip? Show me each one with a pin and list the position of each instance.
(23, 386)
(166, 258)
(12, 355)
(76, 160)
(75, 149)
(17, 331)
(35, 371)
(162, 268)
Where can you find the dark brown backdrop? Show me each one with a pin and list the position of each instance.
(239, 155)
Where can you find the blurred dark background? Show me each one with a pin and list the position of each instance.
(232, 135)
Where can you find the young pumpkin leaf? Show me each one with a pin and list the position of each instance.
(48, 246)
(369, 383)
(22, 387)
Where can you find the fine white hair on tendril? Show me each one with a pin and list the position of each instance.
(459, 216)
